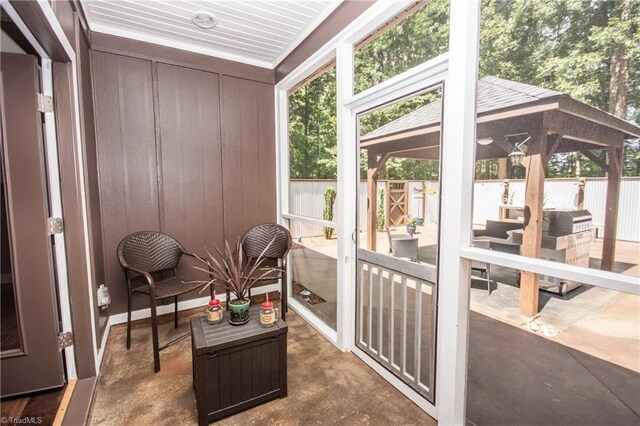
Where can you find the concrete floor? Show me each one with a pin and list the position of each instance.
(325, 385)
(515, 377)
(519, 378)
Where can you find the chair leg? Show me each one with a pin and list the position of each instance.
(175, 315)
(154, 334)
(489, 279)
(128, 319)
(284, 307)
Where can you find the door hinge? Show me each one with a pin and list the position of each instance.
(54, 225)
(65, 339)
(45, 103)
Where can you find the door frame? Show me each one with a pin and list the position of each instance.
(458, 71)
(429, 75)
(52, 45)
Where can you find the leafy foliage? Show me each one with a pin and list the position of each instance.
(233, 270)
(564, 45)
(327, 214)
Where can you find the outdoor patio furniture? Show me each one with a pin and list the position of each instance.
(254, 243)
(145, 256)
(403, 245)
(482, 267)
(498, 233)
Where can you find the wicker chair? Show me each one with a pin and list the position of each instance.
(256, 240)
(144, 256)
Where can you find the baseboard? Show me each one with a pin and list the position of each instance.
(182, 306)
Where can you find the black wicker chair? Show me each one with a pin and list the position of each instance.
(144, 256)
(256, 240)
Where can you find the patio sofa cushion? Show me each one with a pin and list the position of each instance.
(497, 232)
(498, 229)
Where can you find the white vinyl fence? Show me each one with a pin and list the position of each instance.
(306, 197)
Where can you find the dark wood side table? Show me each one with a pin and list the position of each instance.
(237, 367)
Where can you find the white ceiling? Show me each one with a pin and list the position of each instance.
(256, 32)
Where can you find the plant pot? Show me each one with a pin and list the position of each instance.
(239, 311)
(419, 221)
(411, 229)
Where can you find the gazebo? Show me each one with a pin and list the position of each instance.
(508, 113)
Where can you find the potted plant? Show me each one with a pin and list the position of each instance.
(411, 224)
(237, 273)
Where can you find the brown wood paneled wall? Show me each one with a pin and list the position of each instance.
(185, 151)
(127, 165)
(248, 153)
(189, 152)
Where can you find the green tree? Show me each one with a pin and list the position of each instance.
(588, 49)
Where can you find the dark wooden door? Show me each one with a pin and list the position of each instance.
(34, 362)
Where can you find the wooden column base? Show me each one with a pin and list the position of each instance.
(529, 294)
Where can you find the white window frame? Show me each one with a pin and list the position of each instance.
(458, 158)
(452, 328)
(431, 74)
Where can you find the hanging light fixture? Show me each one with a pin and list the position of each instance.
(518, 153)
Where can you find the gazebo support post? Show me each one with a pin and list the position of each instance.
(532, 237)
(374, 165)
(614, 175)
(372, 189)
(581, 184)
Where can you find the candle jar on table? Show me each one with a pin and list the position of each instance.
(268, 314)
(214, 312)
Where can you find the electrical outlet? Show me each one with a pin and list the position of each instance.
(104, 299)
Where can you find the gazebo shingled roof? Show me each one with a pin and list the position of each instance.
(508, 112)
(493, 94)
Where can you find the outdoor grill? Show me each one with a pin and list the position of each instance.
(566, 237)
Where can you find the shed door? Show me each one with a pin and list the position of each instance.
(29, 351)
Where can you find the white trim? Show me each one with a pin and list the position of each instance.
(167, 42)
(411, 81)
(8, 7)
(57, 28)
(85, 214)
(595, 277)
(183, 305)
(414, 396)
(376, 15)
(428, 74)
(54, 189)
(457, 167)
(309, 219)
(281, 100)
(216, 53)
(310, 28)
(347, 189)
(315, 322)
(55, 210)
